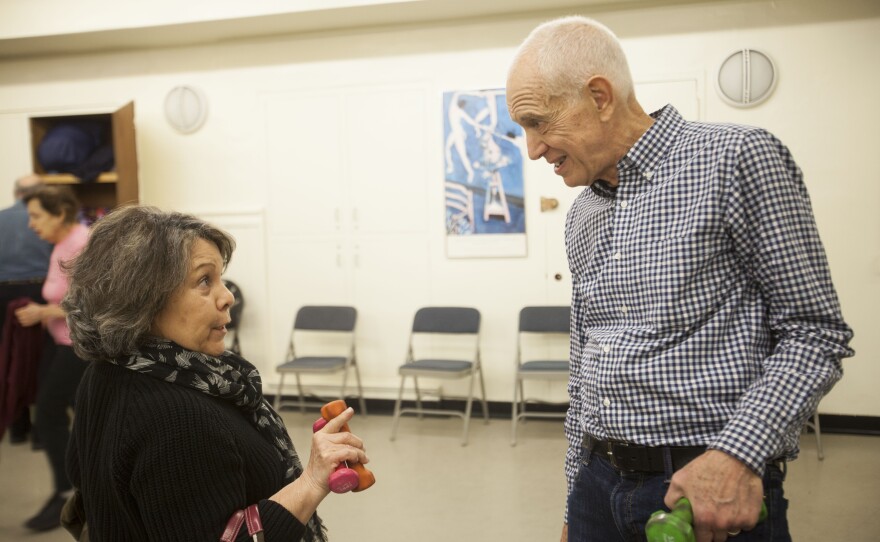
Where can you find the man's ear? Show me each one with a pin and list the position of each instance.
(599, 89)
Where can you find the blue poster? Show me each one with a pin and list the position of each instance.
(484, 166)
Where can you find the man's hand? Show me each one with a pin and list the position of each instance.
(725, 495)
(564, 533)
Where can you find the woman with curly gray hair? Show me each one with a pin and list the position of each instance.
(172, 435)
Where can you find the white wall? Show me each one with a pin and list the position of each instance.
(385, 252)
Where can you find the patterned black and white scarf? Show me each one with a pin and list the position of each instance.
(231, 378)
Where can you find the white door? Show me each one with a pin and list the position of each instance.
(385, 137)
(305, 163)
(347, 213)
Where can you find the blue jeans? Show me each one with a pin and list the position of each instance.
(607, 505)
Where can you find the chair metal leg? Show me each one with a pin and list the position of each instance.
(467, 409)
(278, 395)
(522, 403)
(818, 430)
(513, 411)
(344, 383)
(483, 390)
(302, 396)
(418, 397)
(397, 409)
(363, 402)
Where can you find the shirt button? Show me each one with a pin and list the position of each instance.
(649, 174)
(606, 349)
(623, 204)
(607, 402)
(624, 309)
(617, 255)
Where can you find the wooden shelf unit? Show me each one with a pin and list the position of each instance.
(67, 178)
(111, 188)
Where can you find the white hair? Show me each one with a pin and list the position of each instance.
(26, 184)
(570, 50)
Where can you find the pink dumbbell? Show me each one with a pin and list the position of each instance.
(343, 478)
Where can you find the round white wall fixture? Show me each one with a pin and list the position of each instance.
(746, 78)
(186, 109)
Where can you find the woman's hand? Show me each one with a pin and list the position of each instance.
(329, 448)
(30, 315)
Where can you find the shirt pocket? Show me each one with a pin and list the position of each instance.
(685, 280)
(664, 219)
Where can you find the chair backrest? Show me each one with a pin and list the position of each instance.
(545, 319)
(323, 330)
(451, 333)
(325, 318)
(446, 320)
(237, 306)
(543, 334)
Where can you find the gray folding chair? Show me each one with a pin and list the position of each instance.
(454, 327)
(321, 342)
(235, 314)
(536, 323)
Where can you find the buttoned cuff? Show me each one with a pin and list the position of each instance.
(752, 441)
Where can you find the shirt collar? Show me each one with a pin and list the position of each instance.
(648, 152)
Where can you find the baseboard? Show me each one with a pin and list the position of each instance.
(850, 425)
(497, 409)
(829, 423)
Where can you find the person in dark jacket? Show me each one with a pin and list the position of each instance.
(24, 261)
(172, 434)
(20, 350)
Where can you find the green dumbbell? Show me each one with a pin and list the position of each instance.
(677, 525)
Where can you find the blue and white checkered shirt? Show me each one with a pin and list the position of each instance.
(703, 312)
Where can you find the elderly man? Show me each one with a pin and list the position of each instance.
(705, 328)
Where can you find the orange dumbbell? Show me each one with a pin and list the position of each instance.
(365, 477)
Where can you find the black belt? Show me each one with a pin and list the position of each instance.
(637, 458)
(22, 282)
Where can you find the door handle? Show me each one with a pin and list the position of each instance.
(548, 204)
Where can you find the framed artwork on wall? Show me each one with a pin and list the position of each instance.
(483, 176)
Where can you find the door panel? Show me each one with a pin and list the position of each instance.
(386, 139)
(304, 133)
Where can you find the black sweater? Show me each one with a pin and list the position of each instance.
(156, 461)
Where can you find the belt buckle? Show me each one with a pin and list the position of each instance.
(612, 457)
(778, 462)
(628, 458)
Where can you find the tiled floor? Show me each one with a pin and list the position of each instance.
(429, 488)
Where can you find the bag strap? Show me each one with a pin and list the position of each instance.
(249, 516)
(232, 527)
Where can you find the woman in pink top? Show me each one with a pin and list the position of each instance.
(52, 212)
